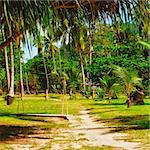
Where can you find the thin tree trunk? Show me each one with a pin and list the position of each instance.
(27, 84)
(129, 99)
(91, 49)
(82, 69)
(60, 68)
(46, 76)
(54, 63)
(6, 62)
(20, 69)
(60, 61)
(11, 89)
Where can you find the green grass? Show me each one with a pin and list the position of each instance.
(38, 104)
(11, 127)
(134, 120)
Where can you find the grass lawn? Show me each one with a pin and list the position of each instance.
(134, 120)
(13, 127)
(38, 104)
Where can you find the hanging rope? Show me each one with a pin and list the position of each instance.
(18, 105)
(64, 101)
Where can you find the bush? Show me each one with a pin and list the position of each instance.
(100, 92)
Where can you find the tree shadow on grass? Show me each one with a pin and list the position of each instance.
(146, 103)
(108, 104)
(13, 132)
(115, 103)
(55, 97)
(39, 119)
(99, 112)
(10, 132)
(137, 122)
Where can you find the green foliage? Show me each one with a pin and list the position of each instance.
(100, 92)
(133, 121)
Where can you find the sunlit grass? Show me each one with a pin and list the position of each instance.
(12, 126)
(56, 104)
(134, 120)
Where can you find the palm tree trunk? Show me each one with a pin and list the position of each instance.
(46, 76)
(59, 61)
(129, 97)
(54, 63)
(27, 84)
(82, 69)
(91, 47)
(20, 68)
(11, 89)
(6, 62)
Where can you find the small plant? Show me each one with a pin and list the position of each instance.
(100, 92)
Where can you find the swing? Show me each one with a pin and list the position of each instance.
(63, 115)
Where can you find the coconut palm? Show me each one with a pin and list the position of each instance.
(17, 16)
(129, 80)
(109, 84)
(6, 61)
(33, 12)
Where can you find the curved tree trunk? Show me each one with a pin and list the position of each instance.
(6, 62)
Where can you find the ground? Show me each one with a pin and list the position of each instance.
(83, 131)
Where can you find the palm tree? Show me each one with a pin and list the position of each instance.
(41, 50)
(39, 11)
(129, 80)
(6, 62)
(11, 89)
(20, 70)
(50, 43)
(10, 17)
(109, 85)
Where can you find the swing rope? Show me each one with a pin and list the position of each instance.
(64, 101)
(20, 98)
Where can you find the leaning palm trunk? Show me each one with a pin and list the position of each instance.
(20, 68)
(11, 89)
(82, 69)
(6, 62)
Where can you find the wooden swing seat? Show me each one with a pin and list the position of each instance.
(44, 115)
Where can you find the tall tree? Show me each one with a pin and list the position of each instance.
(11, 89)
(6, 62)
(20, 67)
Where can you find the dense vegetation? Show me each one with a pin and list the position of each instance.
(100, 49)
(97, 48)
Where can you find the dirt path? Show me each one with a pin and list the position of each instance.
(83, 132)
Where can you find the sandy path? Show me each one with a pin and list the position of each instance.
(83, 131)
